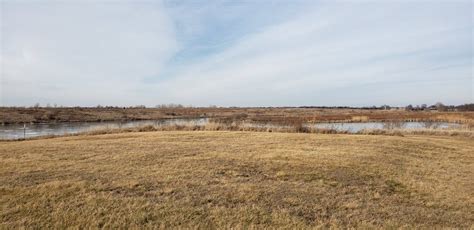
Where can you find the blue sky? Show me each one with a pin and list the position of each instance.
(236, 53)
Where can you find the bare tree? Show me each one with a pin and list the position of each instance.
(440, 107)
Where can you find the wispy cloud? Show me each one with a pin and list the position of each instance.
(240, 53)
(336, 48)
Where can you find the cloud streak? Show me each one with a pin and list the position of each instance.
(334, 48)
(243, 54)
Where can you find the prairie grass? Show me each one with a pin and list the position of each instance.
(360, 118)
(38, 115)
(221, 179)
(392, 128)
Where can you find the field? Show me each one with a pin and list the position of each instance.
(217, 179)
(279, 115)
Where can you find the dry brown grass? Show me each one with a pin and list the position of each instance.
(287, 127)
(274, 115)
(237, 179)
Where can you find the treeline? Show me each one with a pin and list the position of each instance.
(423, 107)
(441, 107)
(438, 106)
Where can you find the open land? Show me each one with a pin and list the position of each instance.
(221, 179)
(9, 115)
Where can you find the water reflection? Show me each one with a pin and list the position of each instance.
(356, 127)
(17, 131)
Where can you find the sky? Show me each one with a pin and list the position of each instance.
(236, 52)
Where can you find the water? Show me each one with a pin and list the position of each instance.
(16, 131)
(356, 127)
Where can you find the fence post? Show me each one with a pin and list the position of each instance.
(24, 130)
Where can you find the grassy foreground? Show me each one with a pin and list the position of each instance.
(237, 179)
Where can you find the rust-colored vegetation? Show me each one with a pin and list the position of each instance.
(261, 115)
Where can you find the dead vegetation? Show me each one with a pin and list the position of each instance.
(259, 115)
(237, 180)
(390, 129)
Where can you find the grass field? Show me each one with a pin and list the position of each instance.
(237, 179)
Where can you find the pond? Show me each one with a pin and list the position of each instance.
(18, 131)
(356, 127)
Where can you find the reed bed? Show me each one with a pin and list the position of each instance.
(390, 128)
(9, 115)
(288, 127)
(214, 126)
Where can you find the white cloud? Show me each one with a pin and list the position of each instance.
(82, 52)
(329, 53)
(333, 46)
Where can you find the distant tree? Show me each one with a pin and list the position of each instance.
(386, 107)
(409, 107)
(440, 107)
(465, 107)
(36, 105)
(169, 106)
(424, 106)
